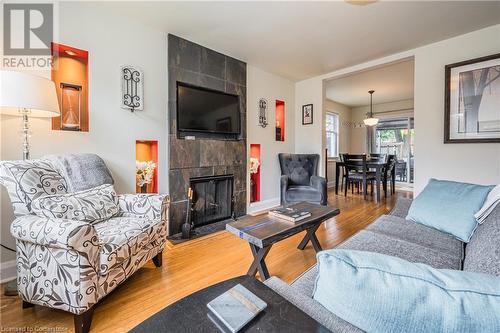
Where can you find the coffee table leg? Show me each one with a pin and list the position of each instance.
(311, 236)
(259, 254)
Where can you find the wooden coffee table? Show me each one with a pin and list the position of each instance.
(262, 231)
(190, 314)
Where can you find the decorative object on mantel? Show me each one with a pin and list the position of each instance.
(307, 114)
(370, 120)
(132, 88)
(144, 171)
(472, 101)
(27, 95)
(70, 75)
(263, 112)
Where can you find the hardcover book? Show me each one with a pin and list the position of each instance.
(290, 214)
(235, 308)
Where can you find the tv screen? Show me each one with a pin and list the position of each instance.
(206, 110)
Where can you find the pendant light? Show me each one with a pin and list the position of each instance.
(371, 121)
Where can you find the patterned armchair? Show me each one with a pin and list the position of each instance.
(70, 264)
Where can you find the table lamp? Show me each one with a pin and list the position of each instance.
(27, 95)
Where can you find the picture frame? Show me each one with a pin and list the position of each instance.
(472, 101)
(307, 114)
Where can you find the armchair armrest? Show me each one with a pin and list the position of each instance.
(285, 181)
(59, 233)
(143, 205)
(319, 183)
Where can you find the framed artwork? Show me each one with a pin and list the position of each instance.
(307, 114)
(472, 101)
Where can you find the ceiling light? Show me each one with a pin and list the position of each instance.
(371, 121)
(70, 53)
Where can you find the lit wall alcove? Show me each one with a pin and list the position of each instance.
(255, 174)
(280, 120)
(146, 151)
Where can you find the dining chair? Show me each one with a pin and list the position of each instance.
(387, 173)
(358, 173)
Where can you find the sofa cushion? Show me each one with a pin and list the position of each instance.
(380, 293)
(28, 180)
(93, 205)
(366, 240)
(311, 307)
(482, 253)
(302, 193)
(419, 234)
(449, 207)
(122, 237)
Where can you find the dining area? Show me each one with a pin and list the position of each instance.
(366, 174)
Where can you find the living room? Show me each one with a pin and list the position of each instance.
(195, 197)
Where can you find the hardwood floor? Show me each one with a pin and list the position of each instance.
(194, 265)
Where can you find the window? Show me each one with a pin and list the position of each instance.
(332, 134)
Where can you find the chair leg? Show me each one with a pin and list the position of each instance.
(157, 260)
(27, 305)
(83, 321)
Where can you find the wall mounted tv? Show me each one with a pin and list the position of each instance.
(207, 111)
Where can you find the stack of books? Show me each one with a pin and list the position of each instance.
(290, 214)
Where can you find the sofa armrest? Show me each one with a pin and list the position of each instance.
(143, 205)
(57, 233)
(401, 208)
(319, 183)
(284, 182)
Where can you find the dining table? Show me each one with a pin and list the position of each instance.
(375, 165)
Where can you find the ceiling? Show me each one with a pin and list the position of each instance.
(391, 83)
(303, 39)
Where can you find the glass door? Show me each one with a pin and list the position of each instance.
(396, 136)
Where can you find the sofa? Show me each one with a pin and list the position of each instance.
(393, 235)
(69, 264)
(300, 181)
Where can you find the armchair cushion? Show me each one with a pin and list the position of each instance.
(302, 193)
(141, 205)
(93, 205)
(58, 233)
(123, 237)
(28, 180)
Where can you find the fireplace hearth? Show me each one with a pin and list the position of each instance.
(213, 199)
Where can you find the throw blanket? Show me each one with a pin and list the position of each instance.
(81, 171)
(492, 200)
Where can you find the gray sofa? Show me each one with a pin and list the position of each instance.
(393, 235)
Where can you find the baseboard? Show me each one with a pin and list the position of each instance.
(256, 208)
(8, 271)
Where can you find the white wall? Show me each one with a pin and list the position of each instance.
(344, 113)
(111, 42)
(432, 157)
(261, 84)
(381, 111)
(476, 163)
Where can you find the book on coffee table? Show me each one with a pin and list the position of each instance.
(290, 214)
(235, 308)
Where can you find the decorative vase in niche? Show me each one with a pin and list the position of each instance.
(144, 188)
(70, 106)
(252, 190)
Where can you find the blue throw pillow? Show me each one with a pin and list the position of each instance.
(380, 293)
(449, 207)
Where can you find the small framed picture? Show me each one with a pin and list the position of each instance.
(472, 101)
(307, 114)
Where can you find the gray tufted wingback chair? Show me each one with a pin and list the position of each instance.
(300, 180)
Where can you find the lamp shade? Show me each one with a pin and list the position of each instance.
(19, 91)
(370, 121)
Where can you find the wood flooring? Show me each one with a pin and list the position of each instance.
(192, 266)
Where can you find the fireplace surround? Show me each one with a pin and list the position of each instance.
(206, 155)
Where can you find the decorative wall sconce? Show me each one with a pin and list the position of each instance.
(263, 112)
(132, 88)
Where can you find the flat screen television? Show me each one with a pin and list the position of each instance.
(206, 110)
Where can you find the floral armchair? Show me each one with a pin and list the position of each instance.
(70, 264)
